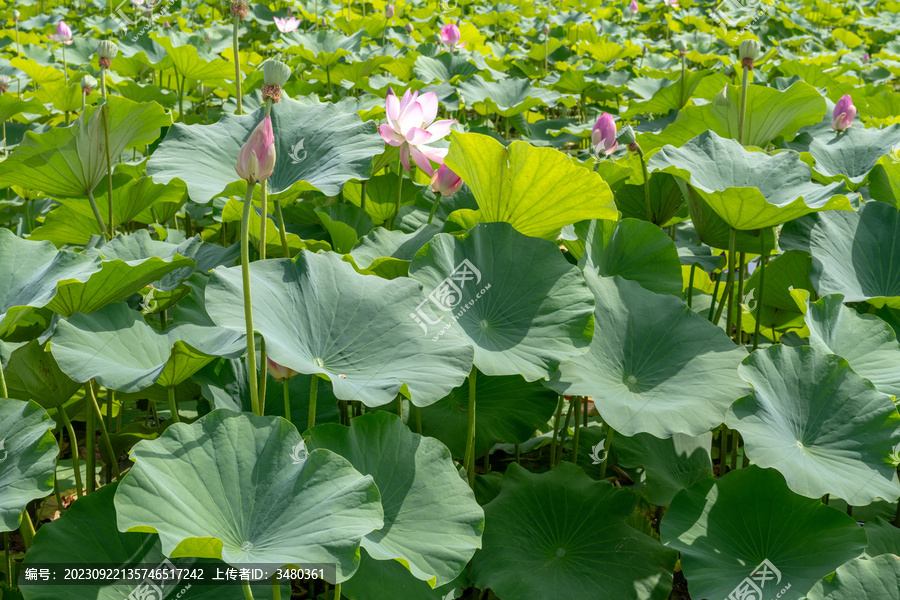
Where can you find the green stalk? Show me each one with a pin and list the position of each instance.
(313, 393)
(606, 446)
(640, 153)
(712, 304)
(362, 195)
(97, 214)
(729, 281)
(7, 559)
(690, 295)
(65, 66)
(287, 399)
(399, 192)
(743, 109)
(181, 96)
(723, 449)
(73, 443)
(576, 401)
(734, 449)
(248, 594)
(90, 440)
(400, 406)
(469, 459)
(27, 529)
(276, 584)
(263, 375)
(237, 66)
(562, 438)
(337, 592)
(4, 393)
(248, 309)
(104, 432)
(759, 301)
(739, 317)
(173, 406)
(437, 199)
(282, 231)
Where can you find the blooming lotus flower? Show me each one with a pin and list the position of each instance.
(671, 3)
(843, 115)
(411, 126)
(63, 33)
(287, 25)
(279, 372)
(256, 160)
(450, 36)
(603, 135)
(445, 182)
(633, 7)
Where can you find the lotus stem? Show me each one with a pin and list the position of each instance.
(607, 444)
(104, 432)
(105, 115)
(313, 393)
(337, 592)
(399, 192)
(65, 66)
(173, 406)
(27, 529)
(287, 399)
(73, 444)
(400, 406)
(712, 304)
(264, 217)
(434, 206)
(248, 593)
(576, 401)
(180, 84)
(276, 584)
(237, 68)
(282, 231)
(647, 207)
(739, 317)
(759, 301)
(723, 449)
(729, 282)
(734, 450)
(469, 458)
(690, 294)
(743, 109)
(681, 99)
(248, 309)
(7, 559)
(417, 413)
(17, 36)
(362, 196)
(4, 393)
(90, 441)
(562, 438)
(559, 406)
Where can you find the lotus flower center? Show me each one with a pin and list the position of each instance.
(246, 546)
(560, 552)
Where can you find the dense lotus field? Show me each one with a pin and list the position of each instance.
(431, 300)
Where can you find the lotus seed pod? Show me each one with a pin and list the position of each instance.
(748, 49)
(680, 46)
(276, 72)
(409, 28)
(626, 135)
(107, 51)
(88, 83)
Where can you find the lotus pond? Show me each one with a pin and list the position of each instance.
(432, 300)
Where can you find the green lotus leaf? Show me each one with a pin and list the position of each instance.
(388, 253)
(345, 224)
(185, 58)
(787, 276)
(714, 231)
(514, 298)
(32, 374)
(822, 426)
(560, 533)
(671, 464)
(90, 526)
(849, 155)
(737, 183)
(381, 195)
(247, 491)
(726, 528)
(663, 95)
(655, 366)
(506, 98)
(444, 67)
(318, 315)
(316, 147)
(861, 579)
(632, 249)
(884, 538)
(770, 113)
(510, 410)
(390, 580)
(28, 454)
(323, 48)
(432, 523)
(666, 199)
(123, 352)
(69, 161)
(11, 106)
(537, 190)
(865, 341)
(853, 253)
(884, 180)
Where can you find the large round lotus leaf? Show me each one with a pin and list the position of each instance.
(318, 315)
(825, 428)
(537, 190)
(737, 183)
(506, 98)
(560, 534)
(884, 180)
(726, 528)
(432, 523)
(388, 253)
(323, 48)
(117, 347)
(633, 249)
(770, 113)
(32, 374)
(515, 298)
(714, 231)
(89, 526)
(865, 341)
(655, 366)
(850, 155)
(853, 253)
(319, 145)
(390, 580)
(247, 491)
(509, 409)
(666, 199)
(787, 275)
(861, 579)
(444, 67)
(884, 538)
(663, 95)
(71, 161)
(672, 464)
(28, 454)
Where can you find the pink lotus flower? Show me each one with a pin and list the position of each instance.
(843, 115)
(389, 11)
(450, 36)
(671, 3)
(411, 126)
(445, 182)
(865, 58)
(633, 7)
(63, 34)
(256, 160)
(287, 25)
(603, 135)
(279, 372)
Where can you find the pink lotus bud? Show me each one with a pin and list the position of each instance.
(633, 7)
(256, 160)
(389, 11)
(865, 58)
(843, 115)
(450, 36)
(603, 135)
(279, 372)
(445, 182)
(63, 33)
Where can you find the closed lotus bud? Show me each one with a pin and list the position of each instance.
(633, 7)
(603, 135)
(16, 15)
(680, 46)
(546, 30)
(88, 83)
(626, 135)
(5, 80)
(843, 115)
(389, 11)
(865, 58)
(409, 28)
(279, 372)
(256, 160)
(276, 72)
(445, 182)
(748, 51)
(107, 51)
